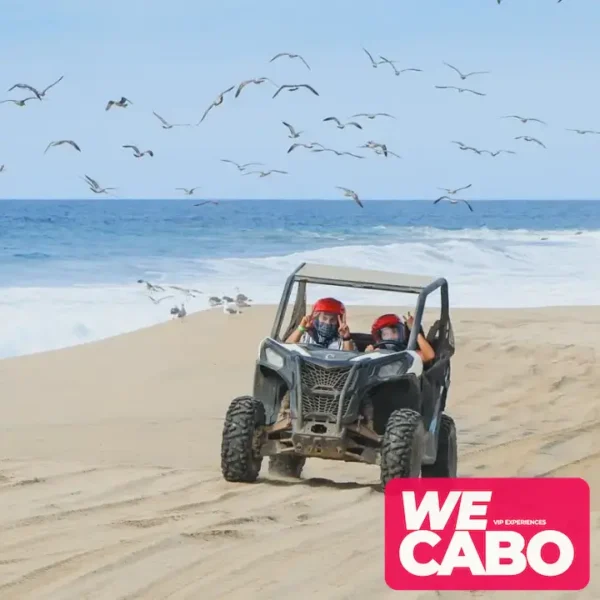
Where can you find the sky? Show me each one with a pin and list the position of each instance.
(175, 58)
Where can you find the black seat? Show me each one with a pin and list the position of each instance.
(362, 340)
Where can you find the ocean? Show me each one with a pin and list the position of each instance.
(68, 269)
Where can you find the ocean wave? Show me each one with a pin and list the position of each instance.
(484, 269)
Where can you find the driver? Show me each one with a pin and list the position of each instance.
(326, 327)
(390, 328)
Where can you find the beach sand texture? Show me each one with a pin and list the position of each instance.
(110, 483)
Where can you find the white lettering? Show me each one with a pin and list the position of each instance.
(468, 510)
(430, 505)
(461, 542)
(407, 553)
(494, 553)
(565, 548)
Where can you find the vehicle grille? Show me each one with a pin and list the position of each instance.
(321, 388)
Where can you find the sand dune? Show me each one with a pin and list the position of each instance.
(110, 484)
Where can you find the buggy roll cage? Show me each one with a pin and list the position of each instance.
(367, 279)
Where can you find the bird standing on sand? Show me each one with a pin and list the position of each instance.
(39, 95)
(122, 103)
(465, 75)
(59, 142)
(523, 119)
(452, 192)
(343, 125)
(351, 194)
(530, 139)
(217, 102)
(290, 56)
(188, 191)
(19, 102)
(136, 151)
(453, 201)
(295, 87)
(166, 125)
(459, 89)
(257, 81)
(266, 173)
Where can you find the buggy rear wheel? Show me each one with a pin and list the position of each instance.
(287, 465)
(446, 461)
(240, 448)
(402, 447)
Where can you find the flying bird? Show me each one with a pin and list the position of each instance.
(189, 292)
(389, 152)
(293, 133)
(373, 145)
(207, 202)
(530, 139)
(159, 300)
(2, 168)
(322, 149)
(523, 119)
(452, 192)
(465, 75)
(453, 201)
(166, 125)
(188, 191)
(464, 147)
(60, 142)
(460, 90)
(20, 102)
(217, 102)
(39, 95)
(149, 286)
(309, 146)
(136, 151)
(265, 173)
(392, 64)
(498, 152)
(122, 103)
(351, 194)
(295, 87)
(290, 56)
(95, 187)
(242, 167)
(373, 115)
(583, 131)
(373, 62)
(255, 81)
(342, 126)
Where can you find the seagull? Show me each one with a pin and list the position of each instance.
(39, 95)
(59, 142)
(122, 103)
(464, 147)
(2, 168)
(215, 301)
(340, 125)
(460, 90)
(373, 115)
(179, 313)
(227, 298)
(265, 173)
(255, 81)
(136, 151)
(217, 102)
(336, 152)
(20, 102)
(452, 192)
(188, 191)
(242, 167)
(207, 202)
(189, 292)
(582, 131)
(293, 133)
(242, 297)
(523, 119)
(373, 63)
(166, 125)
(389, 152)
(231, 308)
(454, 201)
(463, 77)
(373, 145)
(499, 152)
(529, 139)
(392, 64)
(351, 194)
(159, 300)
(309, 146)
(291, 56)
(295, 87)
(150, 287)
(95, 187)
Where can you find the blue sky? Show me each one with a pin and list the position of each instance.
(175, 57)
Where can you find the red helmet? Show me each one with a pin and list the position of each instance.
(330, 305)
(389, 320)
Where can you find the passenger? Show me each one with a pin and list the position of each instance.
(389, 328)
(326, 326)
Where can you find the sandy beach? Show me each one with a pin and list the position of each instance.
(110, 483)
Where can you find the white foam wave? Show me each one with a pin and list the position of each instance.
(484, 269)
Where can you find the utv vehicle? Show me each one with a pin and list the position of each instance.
(411, 435)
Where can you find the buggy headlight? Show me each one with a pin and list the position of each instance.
(274, 358)
(394, 369)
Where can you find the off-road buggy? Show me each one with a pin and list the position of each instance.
(412, 436)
